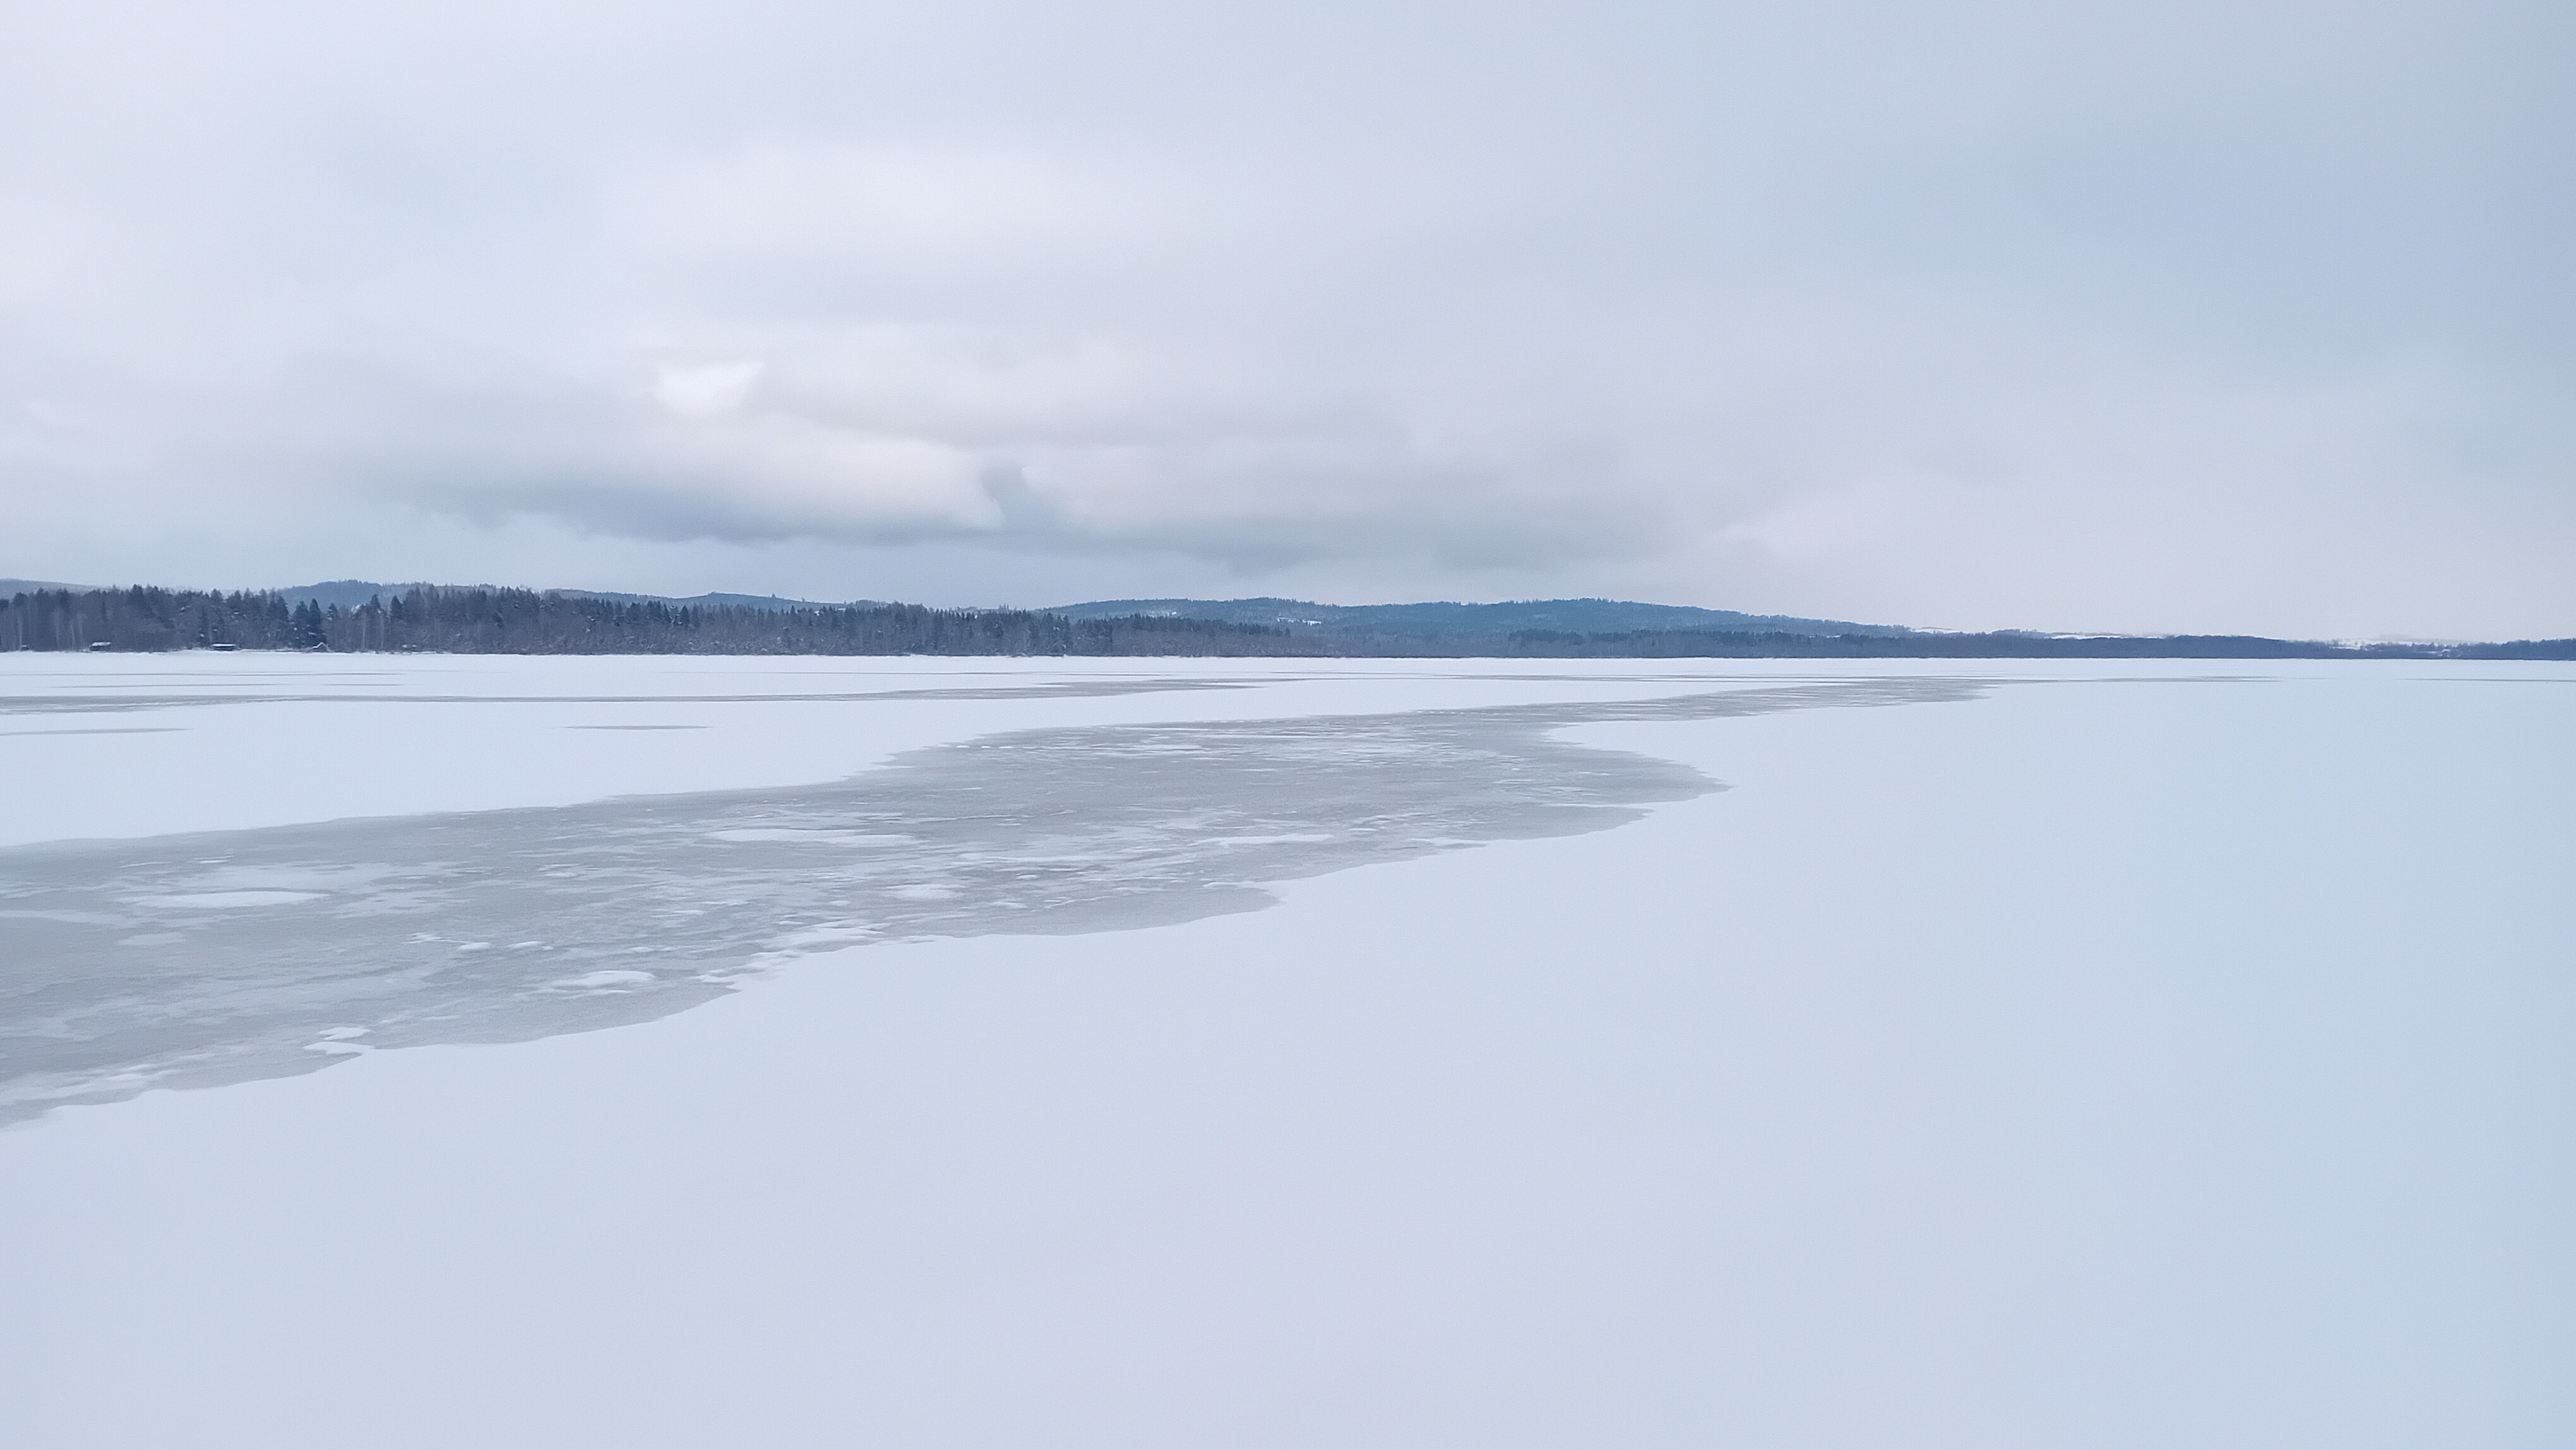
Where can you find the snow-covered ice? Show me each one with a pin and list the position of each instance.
(2057, 1055)
(142, 965)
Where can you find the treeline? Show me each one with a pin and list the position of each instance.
(2002, 644)
(524, 621)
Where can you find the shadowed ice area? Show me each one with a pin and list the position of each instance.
(220, 957)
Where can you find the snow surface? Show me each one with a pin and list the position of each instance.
(2132, 1056)
(126, 746)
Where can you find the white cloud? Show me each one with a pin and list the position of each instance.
(705, 390)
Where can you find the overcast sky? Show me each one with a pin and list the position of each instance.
(2241, 315)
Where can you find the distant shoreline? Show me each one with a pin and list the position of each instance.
(430, 619)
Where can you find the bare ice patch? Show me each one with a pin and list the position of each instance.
(226, 900)
(226, 956)
(756, 835)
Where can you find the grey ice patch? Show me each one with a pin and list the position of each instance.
(98, 730)
(1044, 689)
(222, 899)
(247, 954)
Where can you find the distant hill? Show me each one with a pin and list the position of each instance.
(350, 593)
(1431, 621)
(355, 615)
(1448, 621)
(9, 587)
(732, 601)
(346, 593)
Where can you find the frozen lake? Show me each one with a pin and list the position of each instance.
(991, 1052)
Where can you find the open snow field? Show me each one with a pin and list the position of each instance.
(988, 1053)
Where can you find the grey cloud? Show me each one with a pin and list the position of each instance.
(2203, 316)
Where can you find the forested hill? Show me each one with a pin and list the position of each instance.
(524, 621)
(351, 593)
(521, 621)
(1482, 621)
